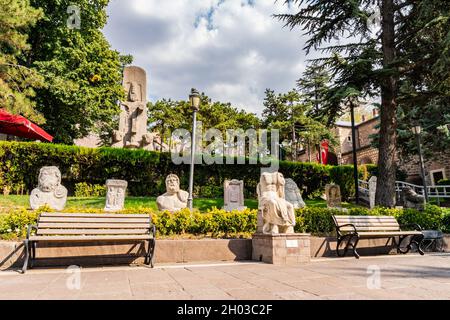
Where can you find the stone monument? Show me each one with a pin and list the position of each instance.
(49, 191)
(293, 195)
(333, 196)
(276, 213)
(133, 116)
(115, 194)
(372, 191)
(412, 200)
(233, 191)
(275, 241)
(174, 199)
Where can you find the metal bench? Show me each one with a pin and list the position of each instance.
(79, 227)
(350, 229)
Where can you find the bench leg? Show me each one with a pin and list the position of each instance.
(32, 253)
(150, 253)
(418, 240)
(27, 255)
(339, 241)
(400, 241)
(352, 241)
(355, 253)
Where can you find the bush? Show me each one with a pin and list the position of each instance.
(218, 223)
(146, 171)
(86, 190)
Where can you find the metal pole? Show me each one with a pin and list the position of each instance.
(422, 167)
(191, 174)
(355, 159)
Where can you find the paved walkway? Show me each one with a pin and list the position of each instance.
(384, 277)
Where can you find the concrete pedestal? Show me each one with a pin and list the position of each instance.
(293, 248)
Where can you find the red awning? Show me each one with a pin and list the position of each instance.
(21, 127)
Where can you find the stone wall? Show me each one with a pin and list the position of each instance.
(411, 166)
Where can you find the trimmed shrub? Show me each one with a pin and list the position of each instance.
(86, 190)
(218, 223)
(146, 171)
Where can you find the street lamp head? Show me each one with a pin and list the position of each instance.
(416, 129)
(194, 98)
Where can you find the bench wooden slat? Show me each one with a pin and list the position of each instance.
(91, 231)
(94, 220)
(93, 215)
(87, 225)
(91, 238)
(371, 229)
(384, 234)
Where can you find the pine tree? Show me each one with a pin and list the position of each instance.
(366, 63)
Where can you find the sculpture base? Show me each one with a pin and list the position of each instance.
(287, 248)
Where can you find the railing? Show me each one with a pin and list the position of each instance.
(435, 192)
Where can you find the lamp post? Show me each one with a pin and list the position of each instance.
(417, 130)
(194, 99)
(355, 158)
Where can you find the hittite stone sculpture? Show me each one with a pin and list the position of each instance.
(174, 199)
(49, 191)
(411, 199)
(276, 213)
(133, 118)
(115, 194)
(293, 195)
(333, 196)
(233, 195)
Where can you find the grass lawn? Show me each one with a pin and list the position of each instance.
(17, 201)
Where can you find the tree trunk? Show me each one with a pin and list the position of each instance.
(385, 195)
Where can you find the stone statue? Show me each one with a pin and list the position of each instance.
(49, 191)
(174, 199)
(276, 213)
(115, 194)
(133, 118)
(333, 196)
(293, 195)
(411, 199)
(233, 192)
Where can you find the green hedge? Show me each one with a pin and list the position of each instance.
(146, 171)
(219, 223)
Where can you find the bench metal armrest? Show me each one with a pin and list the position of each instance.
(415, 226)
(30, 228)
(338, 228)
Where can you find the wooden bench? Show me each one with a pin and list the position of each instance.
(78, 227)
(352, 228)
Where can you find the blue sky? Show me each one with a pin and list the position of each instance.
(230, 49)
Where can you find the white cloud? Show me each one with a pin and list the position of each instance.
(229, 49)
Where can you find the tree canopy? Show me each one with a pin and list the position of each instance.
(404, 60)
(82, 73)
(18, 82)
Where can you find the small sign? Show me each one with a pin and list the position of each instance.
(291, 243)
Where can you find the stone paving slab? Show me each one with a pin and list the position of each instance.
(397, 277)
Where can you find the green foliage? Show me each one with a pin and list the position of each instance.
(430, 219)
(17, 81)
(218, 223)
(289, 113)
(165, 116)
(443, 182)
(146, 171)
(83, 189)
(14, 224)
(82, 73)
